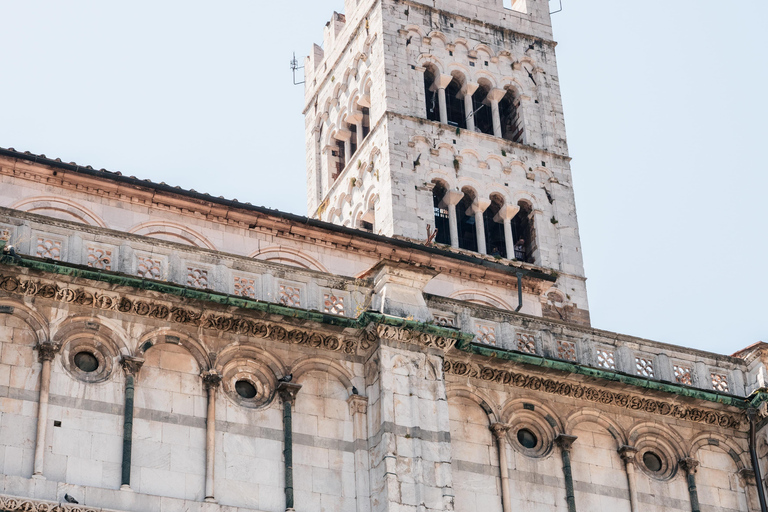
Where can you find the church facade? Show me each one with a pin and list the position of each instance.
(420, 342)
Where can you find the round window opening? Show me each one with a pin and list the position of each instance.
(245, 389)
(86, 362)
(652, 462)
(526, 438)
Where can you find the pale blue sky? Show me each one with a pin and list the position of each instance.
(665, 111)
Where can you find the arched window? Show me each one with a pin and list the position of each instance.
(494, 231)
(430, 94)
(511, 122)
(482, 108)
(523, 233)
(466, 222)
(454, 102)
(442, 224)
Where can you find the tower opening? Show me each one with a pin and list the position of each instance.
(511, 122)
(523, 233)
(353, 140)
(454, 100)
(442, 222)
(482, 109)
(494, 231)
(465, 221)
(430, 94)
(339, 158)
(366, 121)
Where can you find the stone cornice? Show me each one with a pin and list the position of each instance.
(325, 335)
(564, 388)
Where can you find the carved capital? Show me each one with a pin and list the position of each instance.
(47, 351)
(627, 454)
(131, 365)
(288, 391)
(357, 404)
(500, 430)
(747, 476)
(565, 442)
(211, 379)
(689, 465)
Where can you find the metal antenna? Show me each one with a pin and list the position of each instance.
(558, 10)
(294, 67)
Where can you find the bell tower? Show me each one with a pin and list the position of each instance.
(447, 116)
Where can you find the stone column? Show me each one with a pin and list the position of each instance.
(628, 456)
(477, 208)
(45, 354)
(690, 465)
(441, 82)
(356, 118)
(358, 406)
(469, 107)
(494, 96)
(449, 202)
(131, 367)
(504, 216)
(565, 442)
(287, 392)
(211, 380)
(500, 433)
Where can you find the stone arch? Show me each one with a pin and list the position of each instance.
(477, 396)
(436, 34)
(415, 28)
(720, 463)
(541, 409)
(79, 325)
(172, 232)
(485, 48)
(481, 297)
(248, 351)
(161, 336)
(739, 456)
(325, 365)
(473, 444)
(288, 256)
(659, 433)
(170, 383)
(29, 316)
(593, 416)
(60, 208)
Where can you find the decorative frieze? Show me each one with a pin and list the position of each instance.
(207, 319)
(444, 320)
(591, 394)
(14, 504)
